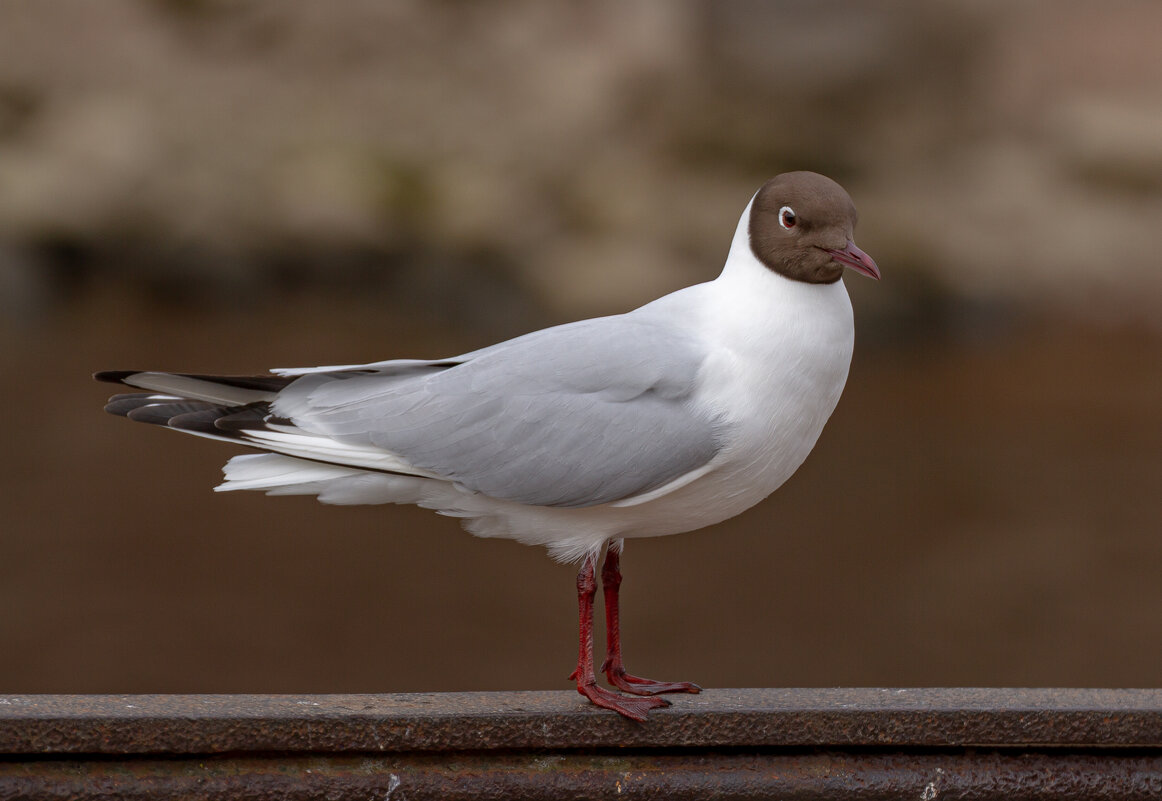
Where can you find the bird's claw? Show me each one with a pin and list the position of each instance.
(629, 683)
(639, 686)
(632, 707)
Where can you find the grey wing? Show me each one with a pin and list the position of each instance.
(572, 416)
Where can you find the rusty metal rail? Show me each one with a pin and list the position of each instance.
(745, 744)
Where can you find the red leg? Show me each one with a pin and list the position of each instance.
(635, 708)
(612, 666)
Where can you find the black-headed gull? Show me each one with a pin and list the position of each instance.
(668, 418)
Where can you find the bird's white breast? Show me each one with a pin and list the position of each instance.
(779, 352)
(776, 381)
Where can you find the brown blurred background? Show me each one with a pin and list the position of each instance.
(214, 185)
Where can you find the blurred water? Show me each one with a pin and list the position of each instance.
(979, 512)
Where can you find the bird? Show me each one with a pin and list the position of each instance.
(668, 418)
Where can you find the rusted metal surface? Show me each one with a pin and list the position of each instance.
(814, 775)
(422, 722)
(924, 744)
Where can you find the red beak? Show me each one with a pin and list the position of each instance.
(856, 259)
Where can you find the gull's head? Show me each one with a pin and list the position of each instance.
(802, 226)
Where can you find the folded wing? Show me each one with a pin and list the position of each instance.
(578, 415)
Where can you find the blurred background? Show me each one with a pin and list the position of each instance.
(229, 186)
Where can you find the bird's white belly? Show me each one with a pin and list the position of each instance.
(773, 394)
(765, 444)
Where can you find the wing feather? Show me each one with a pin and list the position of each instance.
(578, 415)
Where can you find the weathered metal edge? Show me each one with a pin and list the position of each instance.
(674, 776)
(519, 721)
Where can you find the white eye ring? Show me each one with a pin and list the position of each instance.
(787, 217)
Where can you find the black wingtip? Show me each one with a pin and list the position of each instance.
(167, 413)
(114, 376)
(262, 383)
(122, 405)
(153, 413)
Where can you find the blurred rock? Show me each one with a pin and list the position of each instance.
(1010, 151)
(25, 287)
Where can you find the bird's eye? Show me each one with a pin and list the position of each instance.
(787, 217)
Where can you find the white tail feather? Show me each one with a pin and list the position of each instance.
(284, 475)
(295, 442)
(264, 471)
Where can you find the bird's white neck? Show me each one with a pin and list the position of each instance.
(740, 251)
(750, 303)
